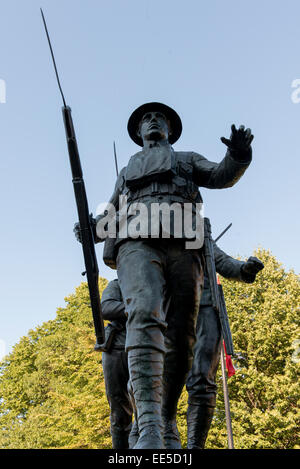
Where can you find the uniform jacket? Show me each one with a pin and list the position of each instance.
(190, 171)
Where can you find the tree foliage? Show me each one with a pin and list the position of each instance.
(52, 386)
(52, 389)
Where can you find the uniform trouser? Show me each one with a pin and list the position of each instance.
(115, 369)
(156, 275)
(201, 382)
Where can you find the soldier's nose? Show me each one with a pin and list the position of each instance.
(153, 120)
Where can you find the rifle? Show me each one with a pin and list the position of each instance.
(85, 219)
(218, 301)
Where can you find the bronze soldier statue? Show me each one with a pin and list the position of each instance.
(150, 268)
(115, 366)
(201, 381)
(155, 273)
(201, 384)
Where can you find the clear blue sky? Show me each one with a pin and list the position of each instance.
(215, 62)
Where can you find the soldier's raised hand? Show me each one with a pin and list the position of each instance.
(253, 265)
(240, 139)
(251, 268)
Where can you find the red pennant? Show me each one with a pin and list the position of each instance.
(229, 364)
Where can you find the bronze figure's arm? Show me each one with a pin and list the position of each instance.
(226, 173)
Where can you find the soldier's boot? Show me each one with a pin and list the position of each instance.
(133, 435)
(175, 372)
(120, 439)
(145, 370)
(171, 435)
(171, 393)
(176, 366)
(199, 418)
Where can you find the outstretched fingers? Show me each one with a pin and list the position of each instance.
(226, 141)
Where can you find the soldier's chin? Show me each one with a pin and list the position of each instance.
(155, 134)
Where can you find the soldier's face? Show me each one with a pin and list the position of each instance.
(154, 126)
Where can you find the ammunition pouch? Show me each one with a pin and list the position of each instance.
(180, 187)
(153, 164)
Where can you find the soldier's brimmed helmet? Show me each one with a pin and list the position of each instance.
(169, 113)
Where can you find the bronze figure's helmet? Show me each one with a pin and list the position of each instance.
(169, 113)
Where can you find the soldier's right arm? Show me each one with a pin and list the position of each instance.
(231, 168)
(112, 303)
(219, 175)
(228, 267)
